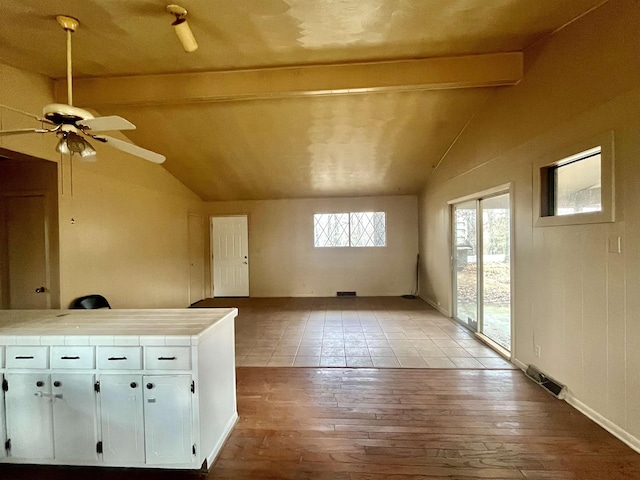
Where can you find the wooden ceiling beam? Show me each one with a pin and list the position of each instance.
(473, 71)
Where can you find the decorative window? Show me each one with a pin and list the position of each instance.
(354, 229)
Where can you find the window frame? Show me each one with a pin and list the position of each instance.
(544, 216)
(350, 213)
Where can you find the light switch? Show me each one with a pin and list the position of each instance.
(615, 244)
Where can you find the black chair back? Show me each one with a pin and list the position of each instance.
(90, 302)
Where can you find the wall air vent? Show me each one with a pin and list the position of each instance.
(345, 294)
(549, 384)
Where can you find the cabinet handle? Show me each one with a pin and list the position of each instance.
(23, 357)
(166, 358)
(149, 386)
(133, 384)
(117, 358)
(57, 383)
(69, 358)
(39, 383)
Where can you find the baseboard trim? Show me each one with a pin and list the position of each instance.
(519, 364)
(605, 423)
(436, 306)
(594, 416)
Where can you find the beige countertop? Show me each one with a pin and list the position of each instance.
(109, 327)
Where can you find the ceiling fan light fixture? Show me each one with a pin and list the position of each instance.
(62, 146)
(88, 154)
(76, 143)
(182, 29)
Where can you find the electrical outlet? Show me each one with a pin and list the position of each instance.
(537, 351)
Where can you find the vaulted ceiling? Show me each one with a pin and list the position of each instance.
(288, 98)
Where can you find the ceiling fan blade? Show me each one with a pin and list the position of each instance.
(21, 112)
(21, 131)
(105, 124)
(133, 149)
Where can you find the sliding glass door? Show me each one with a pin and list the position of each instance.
(465, 254)
(482, 266)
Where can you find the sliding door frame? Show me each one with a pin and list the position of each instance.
(478, 197)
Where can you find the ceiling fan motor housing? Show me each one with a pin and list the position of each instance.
(62, 114)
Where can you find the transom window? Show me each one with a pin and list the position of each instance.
(353, 229)
(576, 188)
(573, 185)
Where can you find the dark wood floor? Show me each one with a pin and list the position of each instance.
(392, 424)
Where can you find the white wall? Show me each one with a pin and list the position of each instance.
(572, 297)
(122, 221)
(284, 262)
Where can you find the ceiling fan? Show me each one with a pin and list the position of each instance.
(72, 124)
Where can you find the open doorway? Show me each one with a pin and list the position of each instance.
(29, 265)
(482, 267)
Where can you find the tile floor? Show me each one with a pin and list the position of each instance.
(382, 332)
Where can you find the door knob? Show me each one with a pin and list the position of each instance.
(41, 290)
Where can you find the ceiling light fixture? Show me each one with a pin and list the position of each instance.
(88, 154)
(181, 27)
(71, 143)
(62, 146)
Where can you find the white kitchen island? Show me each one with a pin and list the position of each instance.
(128, 388)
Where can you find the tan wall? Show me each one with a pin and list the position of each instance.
(284, 262)
(572, 297)
(123, 221)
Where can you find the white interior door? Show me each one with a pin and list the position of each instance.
(27, 252)
(196, 258)
(230, 256)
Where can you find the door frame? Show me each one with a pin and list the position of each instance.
(191, 216)
(52, 288)
(211, 260)
(503, 189)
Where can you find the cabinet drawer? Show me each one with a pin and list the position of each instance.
(167, 358)
(119, 358)
(27, 357)
(72, 357)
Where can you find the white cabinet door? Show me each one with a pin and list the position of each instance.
(122, 418)
(74, 416)
(167, 419)
(3, 431)
(29, 418)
